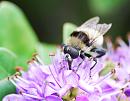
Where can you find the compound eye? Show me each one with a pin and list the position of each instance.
(68, 49)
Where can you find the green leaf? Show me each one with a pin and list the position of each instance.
(6, 87)
(44, 50)
(15, 32)
(68, 28)
(7, 62)
(108, 67)
(3, 72)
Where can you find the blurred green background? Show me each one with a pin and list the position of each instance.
(48, 16)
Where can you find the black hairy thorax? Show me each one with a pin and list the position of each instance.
(81, 36)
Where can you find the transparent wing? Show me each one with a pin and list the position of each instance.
(94, 29)
(93, 24)
(90, 22)
(102, 28)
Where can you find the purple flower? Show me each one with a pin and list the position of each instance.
(16, 97)
(56, 82)
(120, 56)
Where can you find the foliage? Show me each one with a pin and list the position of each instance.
(18, 42)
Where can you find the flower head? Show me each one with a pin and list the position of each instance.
(56, 82)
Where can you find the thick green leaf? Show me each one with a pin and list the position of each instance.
(7, 62)
(15, 32)
(44, 50)
(68, 28)
(3, 72)
(108, 67)
(6, 87)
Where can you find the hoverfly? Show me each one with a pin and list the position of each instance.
(86, 39)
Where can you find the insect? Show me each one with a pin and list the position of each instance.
(86, 41)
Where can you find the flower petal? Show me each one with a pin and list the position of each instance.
(14, 97)
(53, 98)
(82, 98)
(127, 92)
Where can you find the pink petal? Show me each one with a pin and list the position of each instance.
(82, 98)
(13, 97)
(53, 98)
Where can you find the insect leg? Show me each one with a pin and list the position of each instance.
(69, 59)
(95, 60)
(99, 51)
(87, 55)
(82, 56)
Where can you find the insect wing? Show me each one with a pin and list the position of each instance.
(93, 24)
(90, 22)
(100, 30)
(93, 29)
(103, 28)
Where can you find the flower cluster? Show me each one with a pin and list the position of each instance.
(56, 82)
